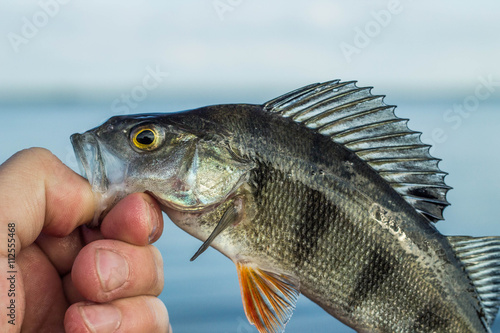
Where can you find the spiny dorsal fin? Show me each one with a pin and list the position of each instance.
(481, 258)
(363, 123)
(268, 298)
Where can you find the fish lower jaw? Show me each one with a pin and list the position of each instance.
(172, 206)
(105, 201)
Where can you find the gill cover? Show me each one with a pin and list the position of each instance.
(208, 173)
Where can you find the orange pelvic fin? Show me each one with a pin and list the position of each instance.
(268, 298)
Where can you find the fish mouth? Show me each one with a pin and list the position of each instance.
(88, 155)
(104, 171)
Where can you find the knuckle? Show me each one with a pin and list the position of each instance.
(37, 155)
(157, 312)
(158, 279)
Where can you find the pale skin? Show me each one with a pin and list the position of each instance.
(70, 278)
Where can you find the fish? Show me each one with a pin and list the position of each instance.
(322, 191)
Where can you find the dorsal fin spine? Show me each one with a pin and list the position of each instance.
(384, 137)
(350, 117)
(281, 106)
(373, 125)
(283, 99)
(301, 93)
(360, 121)
(310, 108)
(327, 101)
(351, 103)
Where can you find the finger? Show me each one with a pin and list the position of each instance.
(136, 314)
(90, 235)
(109, 269)
(71, 292)
(136, 219)
(48, 195)
(61, 251)
(50, 300)
(37, 192)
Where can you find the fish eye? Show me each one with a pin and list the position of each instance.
(146, 137)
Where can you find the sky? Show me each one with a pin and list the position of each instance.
(75, 50)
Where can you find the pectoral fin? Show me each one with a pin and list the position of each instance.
(268, 298)
(229, 217)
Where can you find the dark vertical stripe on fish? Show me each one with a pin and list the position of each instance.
(374, 274)
(428, 320)
(316, 216)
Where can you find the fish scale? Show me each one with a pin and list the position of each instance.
(374, 273)
(322, 191)
(351, 238)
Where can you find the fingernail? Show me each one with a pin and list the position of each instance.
(101, 318)
(153, 222)
(112, 269)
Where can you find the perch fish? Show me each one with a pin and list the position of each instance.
(322, 191)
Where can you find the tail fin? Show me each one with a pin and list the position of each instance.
(481, 257)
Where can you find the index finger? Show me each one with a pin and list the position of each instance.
(37, 191)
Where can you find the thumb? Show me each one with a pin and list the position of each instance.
(37, 192)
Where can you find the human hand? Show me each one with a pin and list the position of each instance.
(66, 277)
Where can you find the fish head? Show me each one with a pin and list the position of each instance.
(187, 166)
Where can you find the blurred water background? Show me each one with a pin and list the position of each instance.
(73, 67)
